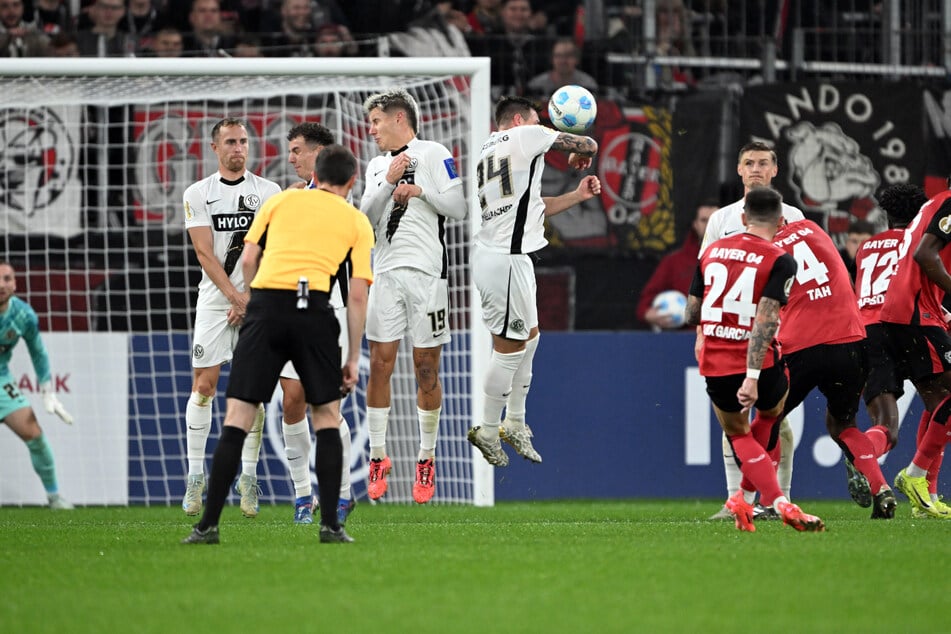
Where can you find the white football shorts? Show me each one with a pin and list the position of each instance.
(507, 287)
(213, 340)
(289, 372)
(407, 302)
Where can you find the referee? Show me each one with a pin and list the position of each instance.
(308, 234)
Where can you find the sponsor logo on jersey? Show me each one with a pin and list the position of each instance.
(451, 168)
(240, 221)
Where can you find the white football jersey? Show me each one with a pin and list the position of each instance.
(510, 189)
(413, 235)
(728, 220)
(228, 207)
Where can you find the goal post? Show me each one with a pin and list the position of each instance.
(94, 157)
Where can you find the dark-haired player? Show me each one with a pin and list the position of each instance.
(916, 336)
(741, 283)
(876, 261)
(823, 341)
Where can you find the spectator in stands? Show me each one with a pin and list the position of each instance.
(141, 22)
(564, 70)
(673, 39)
(675, 270)
(52, 16)
(484, 18)
(516, 54)
(17, 37)
(435, 34)
(207, 37)
(103, 38)
(293, 34)
(330, 42)
(858, 232)
(63, 44)
(167, 43)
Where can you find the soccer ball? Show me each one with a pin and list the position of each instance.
(572, 109)
(671, 303)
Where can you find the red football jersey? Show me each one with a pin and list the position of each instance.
(734, 274)
(912, 297)
(821, 307)
(875, 263)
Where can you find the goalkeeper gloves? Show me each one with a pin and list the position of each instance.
(52, 404)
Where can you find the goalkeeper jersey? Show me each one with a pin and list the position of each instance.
(228, 207)
(20, 321)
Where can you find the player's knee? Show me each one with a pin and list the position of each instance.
(200, 399)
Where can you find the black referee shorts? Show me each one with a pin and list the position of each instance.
(274, 332)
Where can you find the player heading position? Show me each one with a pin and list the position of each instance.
(218, 211)
(756, 166)
(304, 143)
(309, 234)
(19, 321)
(513, 211)
(410, 191)
(741, 283)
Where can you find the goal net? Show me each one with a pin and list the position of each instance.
(94, 158)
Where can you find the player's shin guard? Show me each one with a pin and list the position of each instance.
(428, 431)
(377, 418)
(252, 445)
(787, 447)
(224, 468)
(858, 448)
(521, 384)
(730, 468)
(497, 387)
(345, 452)
(197, 428)
(297, 451)
(327, 467)
(756, 467)
(935, 437)
(41, 455)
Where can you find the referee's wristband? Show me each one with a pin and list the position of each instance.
(752, 373)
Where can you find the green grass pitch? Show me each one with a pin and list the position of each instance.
(573, 566)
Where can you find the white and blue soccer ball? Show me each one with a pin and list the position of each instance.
(572, 109)
(672, 304)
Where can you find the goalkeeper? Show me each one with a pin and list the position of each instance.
(18, 319)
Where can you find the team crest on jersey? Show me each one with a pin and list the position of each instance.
(198, 352)
(413, 162)
(517, 325)
(945, 224)
(251, 202)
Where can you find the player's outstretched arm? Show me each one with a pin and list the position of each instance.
(588, 188)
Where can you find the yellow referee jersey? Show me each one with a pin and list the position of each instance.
(309, 233)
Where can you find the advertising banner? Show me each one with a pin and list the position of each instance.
(837, 144)
(92, 454)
